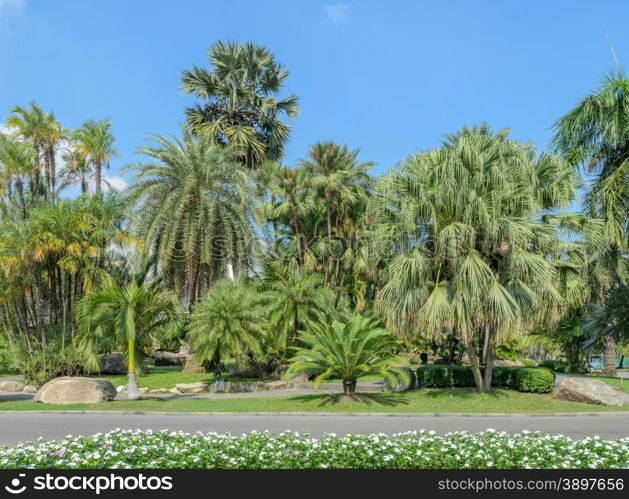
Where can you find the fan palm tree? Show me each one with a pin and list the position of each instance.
(240, 105)
(95, 140)
(228, 323)
(348, 350)
(194, 211)
(595, 134)
(129, 315)
(472, 255)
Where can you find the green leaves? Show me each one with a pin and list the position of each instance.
(347, 350)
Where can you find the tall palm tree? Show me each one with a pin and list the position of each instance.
(129, 315)
(95, 140)
(30, 124)
(337, 173)
(77, 169)
(194, 211)
(472, 255)
(595, 135)
(240, 105)
(290, 204)
(17, 159)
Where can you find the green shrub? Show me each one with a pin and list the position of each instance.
(524, 379)
(444, 376)
(532, 379)
(559, 366)
(5, 357)
(529, 363)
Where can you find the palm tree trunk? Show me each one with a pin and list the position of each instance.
(349, 387)
(609, 357)
(19, 186)
(98, 176)
(474, 364)
(621, 362)
(490, 353)
(132, 387)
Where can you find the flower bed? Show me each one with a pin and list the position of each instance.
(166, 449)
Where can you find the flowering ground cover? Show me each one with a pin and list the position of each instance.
(166, 449)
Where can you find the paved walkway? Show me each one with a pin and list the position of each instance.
(22, 427)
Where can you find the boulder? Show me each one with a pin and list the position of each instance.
(192, 366)
(196, 387)
(163, 358)
(30, 389)
(300, 378)
(113, 363)
(11, 386)
(508, 363)
(121, 388)
(589, 391)
(277, 385)
(75, 390)
(159, 390)
(174, 391)
(401, 385)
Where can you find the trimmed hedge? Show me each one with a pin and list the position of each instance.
(523, 379)
(559, 366)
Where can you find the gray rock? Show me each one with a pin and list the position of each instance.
(174, 391)
(30, 389)
(196, 387)
(401, 385)
(300, 378)
(159, 390)
(113, 363)
(277, 385)
(75, 390)
(589, 391)
(11, 386)
(163, 358)
(121, 388)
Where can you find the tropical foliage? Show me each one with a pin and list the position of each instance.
(466, 252)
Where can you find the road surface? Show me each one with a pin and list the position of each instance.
(21, 427)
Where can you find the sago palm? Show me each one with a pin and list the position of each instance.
(349, 351)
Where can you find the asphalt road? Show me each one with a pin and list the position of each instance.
(21, 427)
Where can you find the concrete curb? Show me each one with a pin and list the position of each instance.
(624, 414)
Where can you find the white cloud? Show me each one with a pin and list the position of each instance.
(337, 13)
(115, 182)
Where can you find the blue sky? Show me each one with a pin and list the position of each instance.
(390, 77)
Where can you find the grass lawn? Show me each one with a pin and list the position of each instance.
(621, 383)
(159, 378)
(455, 400)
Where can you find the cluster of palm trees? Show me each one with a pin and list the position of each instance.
(218, 245)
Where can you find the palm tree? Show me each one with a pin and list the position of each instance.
(18, 162)
(293, 296)
(240, 105)
(77, 169)
(29, 126)
(472, 257)
(608, 322)
(595, 134)
(129, 315)
(44, 131)
(95, 140)
(228, 323)
(348, 350)
(336, 172)
(290, 204)
(194, 211)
